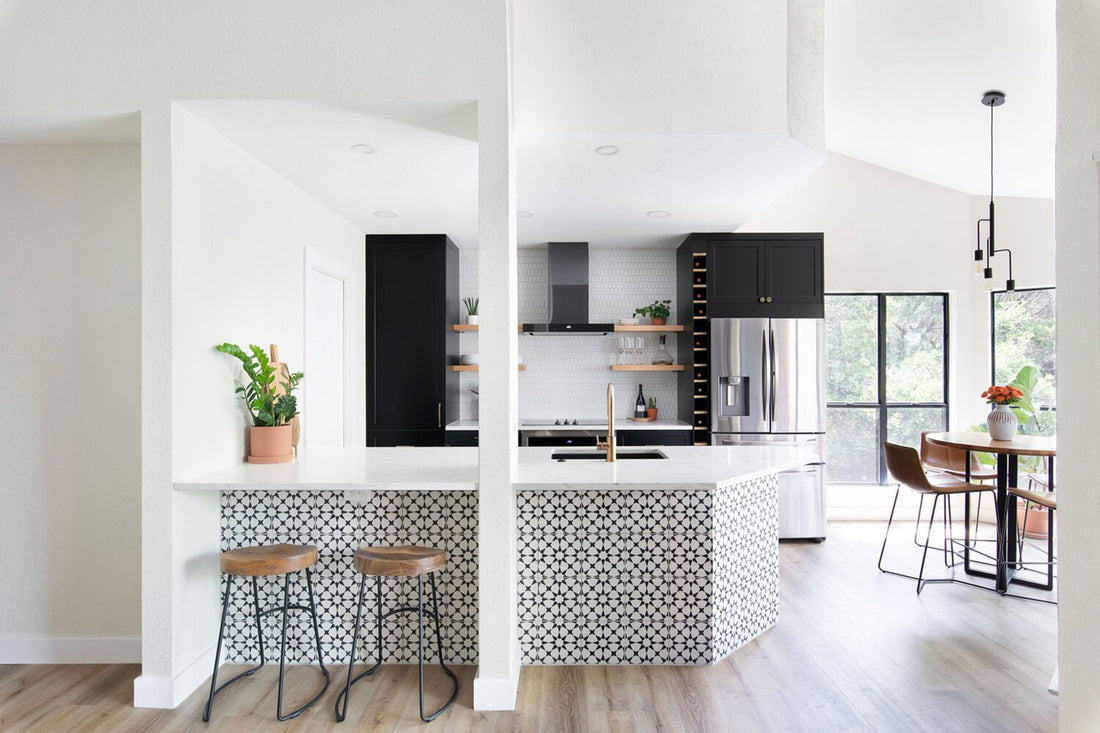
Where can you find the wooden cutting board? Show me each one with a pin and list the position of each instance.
(282, 374)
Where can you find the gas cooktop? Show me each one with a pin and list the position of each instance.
(578, 422)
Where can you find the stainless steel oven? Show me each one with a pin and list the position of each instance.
(556, 438)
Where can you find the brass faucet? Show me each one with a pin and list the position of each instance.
(609, 446)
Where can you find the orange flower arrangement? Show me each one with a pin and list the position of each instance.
(1007, 395)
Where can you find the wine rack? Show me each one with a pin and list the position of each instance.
(700, 349)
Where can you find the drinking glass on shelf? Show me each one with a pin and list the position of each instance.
(640, 350)
(622, 349)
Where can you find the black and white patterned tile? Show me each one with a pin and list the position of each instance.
(338, 524)
(653, 577)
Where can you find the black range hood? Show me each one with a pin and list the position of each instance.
(568, 292)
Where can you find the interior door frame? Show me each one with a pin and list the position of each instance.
(315, 262)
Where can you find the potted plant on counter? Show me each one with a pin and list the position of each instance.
(658, 311)
(471, 311)
(269, 402)
(651, 409)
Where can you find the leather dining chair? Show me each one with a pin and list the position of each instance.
(952, 461)
(904, 464)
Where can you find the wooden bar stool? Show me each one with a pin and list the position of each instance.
(254, 562)
(403, 561)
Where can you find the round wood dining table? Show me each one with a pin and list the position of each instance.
(1008, 454)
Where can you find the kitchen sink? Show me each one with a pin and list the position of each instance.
(599, 455)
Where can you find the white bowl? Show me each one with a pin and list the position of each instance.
(629, 321)
(468, 359)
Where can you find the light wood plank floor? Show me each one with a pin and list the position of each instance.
(854, 650)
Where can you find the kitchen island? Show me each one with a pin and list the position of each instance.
(665, 561)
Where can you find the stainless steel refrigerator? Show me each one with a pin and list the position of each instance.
(768, 387)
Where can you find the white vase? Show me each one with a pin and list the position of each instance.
(471, 320)
(1002, 423)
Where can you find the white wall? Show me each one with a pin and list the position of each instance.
(142, 55)
(240, 231)
(885, 231)
(1077, 198)
(70, 419)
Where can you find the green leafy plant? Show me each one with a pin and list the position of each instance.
(653, 403)
(471, 305)
(657, 309)
(267, 408)
(1031, 419)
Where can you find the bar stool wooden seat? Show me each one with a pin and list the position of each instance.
(253, 562)
(403, 561)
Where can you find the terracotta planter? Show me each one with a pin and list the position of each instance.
(270, 445)
(658, 321)
(651, 413)
(1038, 520)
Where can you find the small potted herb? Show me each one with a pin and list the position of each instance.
(658, 311)
(471, 310)
(651, 409)
(272, 407)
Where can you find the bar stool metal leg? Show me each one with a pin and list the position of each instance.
(439, 651)
(214, 688)
(282, 648)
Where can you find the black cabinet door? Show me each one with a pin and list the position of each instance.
(793, 282)
(461, 438)
(765, 276)
(734, 279)
(629, 438)
(411, 301)
(411, 438)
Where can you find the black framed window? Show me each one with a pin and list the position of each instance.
(1023, 334)
(888, 367)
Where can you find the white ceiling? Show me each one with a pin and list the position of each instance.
(904, 80)
(705, 182)
(903, 84)
(424, 168)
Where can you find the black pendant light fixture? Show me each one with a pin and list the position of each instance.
(993, 98)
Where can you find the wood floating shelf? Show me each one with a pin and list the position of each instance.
(649, 329)
(473, 367)
(647, 367)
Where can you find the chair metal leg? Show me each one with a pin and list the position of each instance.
(342, 709)
(888, 523)
(439, 648)
(218, 652)
(916, 525)
(924, 556)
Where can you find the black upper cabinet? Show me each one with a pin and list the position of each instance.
(412, 300)
(765, 275)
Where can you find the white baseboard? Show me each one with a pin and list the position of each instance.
(168, 692)
(70, 650)
(498, 693)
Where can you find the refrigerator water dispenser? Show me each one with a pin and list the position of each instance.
(734, 393)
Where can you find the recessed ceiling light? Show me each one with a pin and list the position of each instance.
(385, 215)
(363, 148)
(607, 150)
(658, 213)
(520, 213)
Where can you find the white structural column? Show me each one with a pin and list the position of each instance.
(1077, 235)
(499, 659)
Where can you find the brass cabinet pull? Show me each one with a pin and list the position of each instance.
(761, 298)
(439, 414)
(769, 298)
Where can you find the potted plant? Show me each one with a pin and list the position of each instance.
(658, 311)
(651, 409)
(471, 310)
(1002, 421)
(269, 402)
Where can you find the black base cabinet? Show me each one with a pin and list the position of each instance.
(461, 438)
(631, 438)
(411, 302)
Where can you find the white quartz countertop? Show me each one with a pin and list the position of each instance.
(455, 469)
(620, 424)
(686, 468)
(365, 469)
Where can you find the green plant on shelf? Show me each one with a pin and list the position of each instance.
(653, 403)
(471, 305)
(656, 309)
(267, 408)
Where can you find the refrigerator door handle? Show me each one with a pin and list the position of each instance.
(771, 386)
(765, 389)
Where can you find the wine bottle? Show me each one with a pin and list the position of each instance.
(639, 404)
